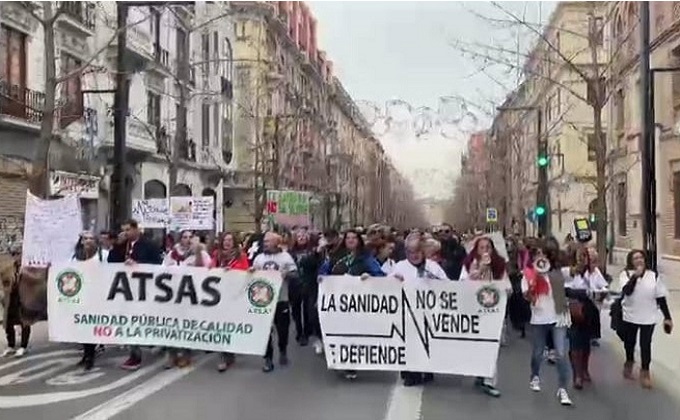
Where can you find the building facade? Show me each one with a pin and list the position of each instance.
(553, 104)
(625, 113)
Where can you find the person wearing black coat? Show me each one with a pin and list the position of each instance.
(132, 248)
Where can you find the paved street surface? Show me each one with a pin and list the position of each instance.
(46, 385)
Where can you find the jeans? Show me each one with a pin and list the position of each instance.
(11, 336)
(630, 332)
(282, 325)
(540, 334)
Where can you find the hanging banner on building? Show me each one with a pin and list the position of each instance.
(153, 213)
(422, 325)
(288, 208)
(152, 305)
(192, 213)
(51, 231)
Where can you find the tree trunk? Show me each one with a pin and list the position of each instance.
(600, 187)
(39, 177)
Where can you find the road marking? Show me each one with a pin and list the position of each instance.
(76, 377)
(405, 402)
(39, 371)
(132, 396)
(49, 355)
(16, 401)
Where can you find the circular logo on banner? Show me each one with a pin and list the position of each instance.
(69, 283)
(260, 293)
(488, 297)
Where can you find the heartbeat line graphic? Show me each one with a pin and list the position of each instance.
(425, 333)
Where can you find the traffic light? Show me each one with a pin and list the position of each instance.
(542, 161)
(539, 210)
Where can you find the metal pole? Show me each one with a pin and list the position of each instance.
(120, 205)
(542, 190)
(647, 140)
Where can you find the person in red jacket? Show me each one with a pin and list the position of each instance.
(229, 256)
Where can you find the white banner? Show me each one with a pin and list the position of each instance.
(51, 230)
(192, 213)
(152, 305)
(153, 213)
(417, 325)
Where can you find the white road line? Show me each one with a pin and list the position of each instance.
(52, 354)
(131, 397)
(16, 401)
(404, 402)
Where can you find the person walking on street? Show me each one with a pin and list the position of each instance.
(131, 248)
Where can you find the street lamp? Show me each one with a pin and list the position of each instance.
(542, 160)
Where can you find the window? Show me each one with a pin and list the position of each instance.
(216, 124)
(205, 125)
(597, 30)
(240, 31)
(676, 203)
(216, 52)
(205, 56)
(558, 101)
(12, 56)
(72, 95)
(592, 147)
(620, 109)
(227, 65)
(622, 207)
(153, 109)
(182, 58)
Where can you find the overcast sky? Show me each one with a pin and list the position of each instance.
(402, 50)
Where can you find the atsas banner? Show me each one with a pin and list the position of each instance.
(152, 305)
(417, 325)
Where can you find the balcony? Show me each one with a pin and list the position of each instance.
(140, 49)
(139, 136)
(20, 104)
(78, 16)
(161, 59)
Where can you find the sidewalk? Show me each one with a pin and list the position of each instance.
(665, 355)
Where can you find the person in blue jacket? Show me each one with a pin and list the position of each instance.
(353, 259)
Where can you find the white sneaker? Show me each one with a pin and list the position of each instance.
(20, 352)
(318, 347)
(8, 352)
(563, 397)
(535, 384)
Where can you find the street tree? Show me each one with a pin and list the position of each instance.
(582, 69)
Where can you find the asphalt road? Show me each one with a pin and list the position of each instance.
(47, 385)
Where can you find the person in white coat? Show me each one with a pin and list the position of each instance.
(417, 268)
(88, 250)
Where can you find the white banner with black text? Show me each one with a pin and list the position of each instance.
(153, 305)
(418, 325)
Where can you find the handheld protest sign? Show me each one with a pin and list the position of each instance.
(583, 230)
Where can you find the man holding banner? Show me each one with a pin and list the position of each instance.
(131, 249)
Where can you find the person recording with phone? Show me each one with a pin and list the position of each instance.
(643, 295)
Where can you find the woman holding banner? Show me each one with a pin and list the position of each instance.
(228, 256)
(416, 267)
(544, 287)
(188, 252)
(87, 249)
(352, 259)
(484, 263)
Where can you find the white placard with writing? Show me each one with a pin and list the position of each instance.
(51, 231)
(417, 325)
(153, 305)
(153, 213)
(192, 213)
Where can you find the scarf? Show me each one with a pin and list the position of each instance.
(177, 255)
(539, 286)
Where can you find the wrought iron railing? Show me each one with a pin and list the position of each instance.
(20, 102)
(82, 11)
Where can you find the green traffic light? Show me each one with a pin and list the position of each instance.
(539, 210)
(543, 161)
